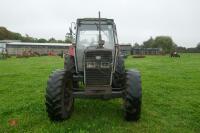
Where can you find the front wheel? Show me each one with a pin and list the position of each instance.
(59, 99)
(132, 96)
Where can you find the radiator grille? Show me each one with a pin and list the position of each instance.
(98, 75)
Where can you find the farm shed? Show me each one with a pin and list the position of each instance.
(125, 48)
(147, 51)
(17, 48)
(4, 42)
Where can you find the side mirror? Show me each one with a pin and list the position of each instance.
(70, 31)
(73, 26)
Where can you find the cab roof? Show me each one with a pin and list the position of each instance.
(94, 20)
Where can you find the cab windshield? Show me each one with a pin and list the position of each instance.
(88, 36)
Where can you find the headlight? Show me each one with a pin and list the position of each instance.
(91, 65)
(105, 64)
(98, 57)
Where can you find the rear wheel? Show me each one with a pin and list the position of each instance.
(59, 98)
(133, 96)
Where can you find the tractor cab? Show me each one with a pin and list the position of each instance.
(95, 50)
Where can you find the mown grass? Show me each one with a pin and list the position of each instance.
(171, 98)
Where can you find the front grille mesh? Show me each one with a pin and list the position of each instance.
(98, 76)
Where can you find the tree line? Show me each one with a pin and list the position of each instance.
(5, 34)
(167, 44)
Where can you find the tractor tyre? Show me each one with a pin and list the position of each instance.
(59, 98)
(133, 96)
(120, 74)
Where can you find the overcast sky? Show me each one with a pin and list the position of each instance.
(136, 20)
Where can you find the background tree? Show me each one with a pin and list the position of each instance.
(16, 36)
(148, 43)
(42, 40)
(27, 38)
(9, 35)
(136, 45)
(60, 41)
(52, 40)
(164, 42)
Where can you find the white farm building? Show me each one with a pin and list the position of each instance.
(17, 48)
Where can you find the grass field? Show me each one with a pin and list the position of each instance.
(171, 98)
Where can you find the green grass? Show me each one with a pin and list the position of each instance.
(171, 98)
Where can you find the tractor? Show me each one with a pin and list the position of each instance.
(93, 68)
